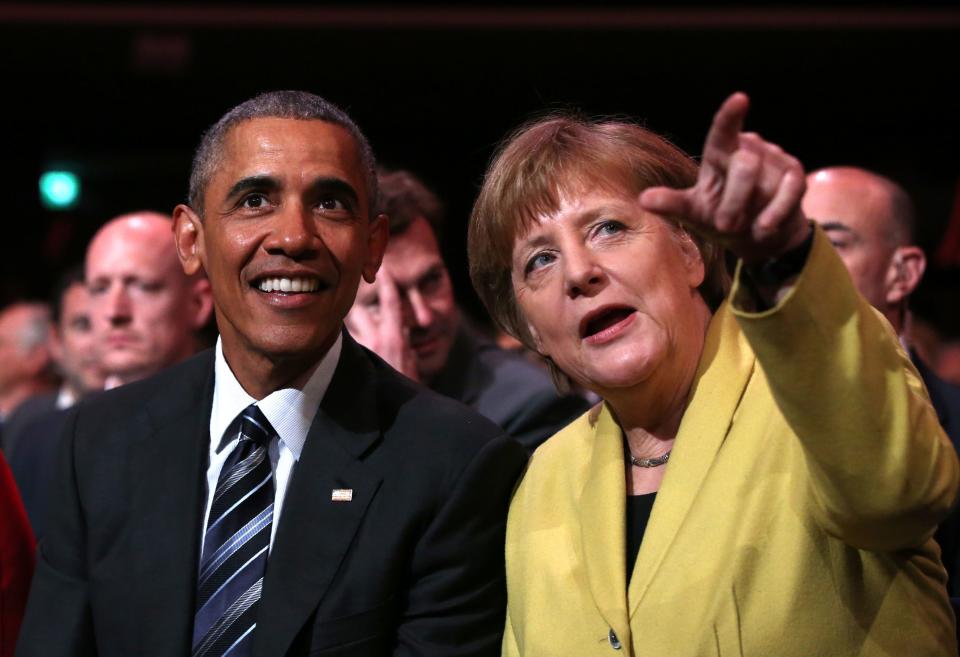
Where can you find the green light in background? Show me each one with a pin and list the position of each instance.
(59, 190)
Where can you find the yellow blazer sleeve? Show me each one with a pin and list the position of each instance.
(881, 473)
(510, 647)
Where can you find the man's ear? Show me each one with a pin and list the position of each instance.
(36, 359)
(904, 273)
(378, 236)
(55, 345)
(188, 236)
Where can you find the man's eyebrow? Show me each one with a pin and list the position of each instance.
(332, 184)
(836, 225)
(261, 183)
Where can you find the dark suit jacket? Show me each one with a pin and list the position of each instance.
(16, 560)
(945, 398)
(505, 387)
(413, 565)
(25, 413)
(33, 462)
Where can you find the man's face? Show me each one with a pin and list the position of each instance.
(75, 347)
(856, 215)
(144, 309)
(285, 238)
(428, 310)
(12, 321)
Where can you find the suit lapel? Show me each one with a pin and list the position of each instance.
(315, 531)
(169, 494)
(725, 368)
(602, 523)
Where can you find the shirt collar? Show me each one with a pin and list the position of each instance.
(65, 397)
(289, 410)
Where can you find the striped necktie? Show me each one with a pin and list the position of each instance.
(235, 545)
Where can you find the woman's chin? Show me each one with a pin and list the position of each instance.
(628, 372)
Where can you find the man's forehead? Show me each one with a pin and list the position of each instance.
(117, 256)
(271, 137)
(286, 151)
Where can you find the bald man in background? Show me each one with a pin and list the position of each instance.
(146, 315)
(870, 219)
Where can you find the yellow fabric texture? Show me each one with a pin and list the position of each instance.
(795, 515)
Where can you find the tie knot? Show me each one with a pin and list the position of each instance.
(254, 426)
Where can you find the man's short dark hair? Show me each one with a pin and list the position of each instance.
(404, 198)
(299, 105)
(70, 277)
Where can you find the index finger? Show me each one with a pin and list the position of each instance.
(389, 300)
(723, 138)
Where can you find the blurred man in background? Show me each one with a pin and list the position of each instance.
(25, 364)
(145, 315)
(74, 356)
(410, 318)
(870, 220)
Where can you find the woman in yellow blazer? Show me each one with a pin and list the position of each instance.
(794, 466)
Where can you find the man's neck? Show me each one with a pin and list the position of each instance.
(261, 374)
(19, 394)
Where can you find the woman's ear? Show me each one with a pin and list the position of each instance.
(692, 258)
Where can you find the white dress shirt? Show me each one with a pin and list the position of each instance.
(289, 411)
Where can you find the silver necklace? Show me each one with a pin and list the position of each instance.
(650, 463)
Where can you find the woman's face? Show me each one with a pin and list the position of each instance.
(609, 292)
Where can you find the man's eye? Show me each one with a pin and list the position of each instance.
(331, 203)
(539, 260)
(254, 201)
(431, 282)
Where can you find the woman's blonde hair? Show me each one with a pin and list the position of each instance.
(561, 156)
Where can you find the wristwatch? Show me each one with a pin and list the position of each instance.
(774, 272)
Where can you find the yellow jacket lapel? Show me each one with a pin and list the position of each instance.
(602, 522)
(725, 368)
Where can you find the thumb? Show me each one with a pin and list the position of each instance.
(663, 200)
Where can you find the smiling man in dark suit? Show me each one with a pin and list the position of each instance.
(288, 493)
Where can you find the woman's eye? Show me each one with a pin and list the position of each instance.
(538, 261)
(609, 227)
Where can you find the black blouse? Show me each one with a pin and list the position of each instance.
(638, 515)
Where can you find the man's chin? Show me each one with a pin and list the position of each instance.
(129, 368)
(430, 365)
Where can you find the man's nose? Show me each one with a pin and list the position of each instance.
(417, 311)
(119, 307)
(293, 232)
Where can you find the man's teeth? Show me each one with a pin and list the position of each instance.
(289, 285)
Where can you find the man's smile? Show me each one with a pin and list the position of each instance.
(297, 284)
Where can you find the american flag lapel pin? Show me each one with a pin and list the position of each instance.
(341, 495)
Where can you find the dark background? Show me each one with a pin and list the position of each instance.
(120, 93)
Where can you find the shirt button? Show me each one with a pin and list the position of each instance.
(614, 641)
